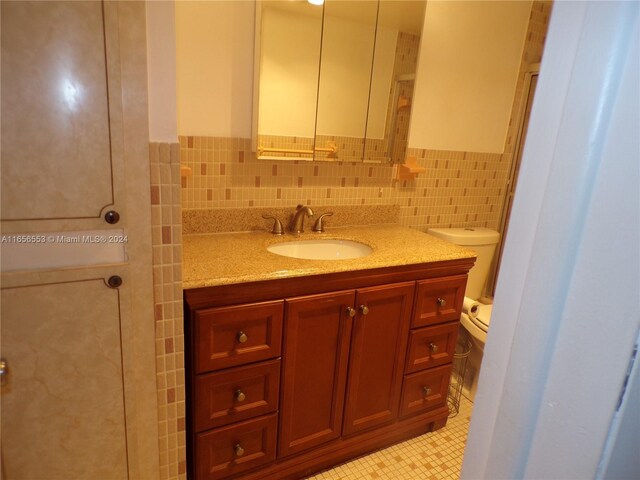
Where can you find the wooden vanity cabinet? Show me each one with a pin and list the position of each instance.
(364, 360)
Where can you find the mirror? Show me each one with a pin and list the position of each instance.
(348, 41)
(288, 41)
(334, 82)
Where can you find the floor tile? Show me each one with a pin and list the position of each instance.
(432, 456)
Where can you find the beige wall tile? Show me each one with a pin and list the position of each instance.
(167, 267)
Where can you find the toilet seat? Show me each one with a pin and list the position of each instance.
(478, 327)
(483, 318)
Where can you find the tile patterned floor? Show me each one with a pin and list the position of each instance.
(436, 455)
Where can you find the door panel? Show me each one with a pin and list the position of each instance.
(377, 355)
(63, 412)
(66, 69)
(59, 123)
(317, 334)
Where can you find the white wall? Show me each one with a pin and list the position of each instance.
(214, 47)
(565, 317)
(467, 69)
(161, 69)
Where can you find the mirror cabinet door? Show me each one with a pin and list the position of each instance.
(289, 57)
(335, 82)
(395, 62)
(348, 38)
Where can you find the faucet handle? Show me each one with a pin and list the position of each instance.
(319, 225)
(277, 225)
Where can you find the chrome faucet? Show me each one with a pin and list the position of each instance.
(297, 222)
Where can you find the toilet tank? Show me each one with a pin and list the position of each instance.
(483, 241)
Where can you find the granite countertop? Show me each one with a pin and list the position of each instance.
(229, 258)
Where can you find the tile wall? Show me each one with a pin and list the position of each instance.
(166, 231)
(459, 188)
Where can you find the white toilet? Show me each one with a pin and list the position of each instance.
(483, 241)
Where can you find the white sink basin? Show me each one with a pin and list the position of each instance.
(321, 249)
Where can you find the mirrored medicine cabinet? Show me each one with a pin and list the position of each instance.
(334, 82)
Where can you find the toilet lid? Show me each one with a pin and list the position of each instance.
(484, 317)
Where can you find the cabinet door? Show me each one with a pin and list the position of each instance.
(316, 345)
(377, 355)
(63, 404)
(62, 116)
(80, 399)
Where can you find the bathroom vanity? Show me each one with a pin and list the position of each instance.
(296, 365)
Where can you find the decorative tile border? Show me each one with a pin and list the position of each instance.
(166, 231)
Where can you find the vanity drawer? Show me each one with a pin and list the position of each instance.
(236, 448)
(431, 346)
(424, 390)
(236, 394)
(439, 300)
(230, 336)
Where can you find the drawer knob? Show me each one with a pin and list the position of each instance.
(433, 347)
(351, 312)
(240, 396)
(441, 302)
(4, 371)
(242, 337)
(364, 309)
(239, 451)
(426, 391)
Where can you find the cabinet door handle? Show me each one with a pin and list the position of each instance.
(351, 312)
(242, 337)
(238, 450)
(112, 217)
(4, 371)
(441, 302)
(426, 391)
(364, 309)
(433, 347)
(240, 396)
